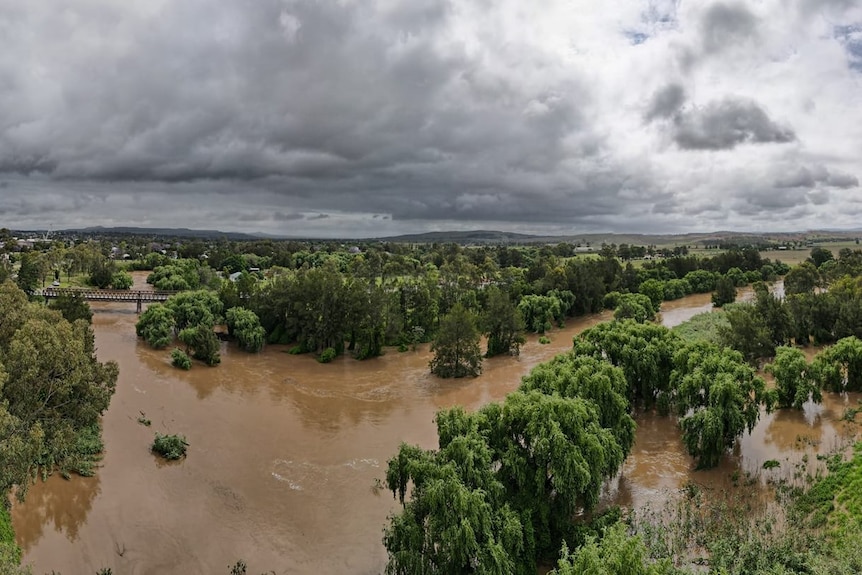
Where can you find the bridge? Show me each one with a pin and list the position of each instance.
(140, 297)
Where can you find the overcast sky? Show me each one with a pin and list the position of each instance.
(378, 117)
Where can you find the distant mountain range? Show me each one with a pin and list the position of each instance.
(488, 236)
(164, 232)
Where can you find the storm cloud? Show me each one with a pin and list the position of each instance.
(725, 124)
(375, 117)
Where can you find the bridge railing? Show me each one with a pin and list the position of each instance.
(106, 294)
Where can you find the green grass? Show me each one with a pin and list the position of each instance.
(703, 327)
(835, 500)
(9, 550)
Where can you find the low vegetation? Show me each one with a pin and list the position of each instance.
(180, 359)
(171, 447)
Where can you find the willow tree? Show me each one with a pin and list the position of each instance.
(718, 396)
(795, 382)
(644, 352)
(504, 488)
(552, 455)
(455, 520)
(156, 326)
(839, 368)
(579, 376)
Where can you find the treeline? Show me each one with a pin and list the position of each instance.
(323, 307)
(53, 391)
(347, 302)
(821, 305)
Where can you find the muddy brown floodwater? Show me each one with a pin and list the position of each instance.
(285, 453)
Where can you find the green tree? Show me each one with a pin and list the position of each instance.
(794, 379)
(839, 368)
(20, 448)
(244, 325)
(580, 376)
(539, 312)
(774, 313)
(56, 382)
(102, 273)
(654, 290)
(72, 307)
(747, 332)
(456, 347)
(553, 456)
(718, 397)
(121, 280)
(725, 292)
(801, 279)
(820, 255)
(644, 352)
(180, 359)
(502, 324)
(193, 308)
(634, 306)
(701, 281)
(156, 326)
(203, 343)
(456, 519)
(28, 273)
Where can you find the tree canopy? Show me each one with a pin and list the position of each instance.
(456, 348)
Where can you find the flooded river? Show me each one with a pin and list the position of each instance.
(285, 454)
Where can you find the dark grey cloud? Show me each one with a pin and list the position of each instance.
(286, 217)
(666, 102)
(805, 177)
(726, 25)
(727, 123)
(267, 114)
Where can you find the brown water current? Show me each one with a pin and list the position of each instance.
(285, 453)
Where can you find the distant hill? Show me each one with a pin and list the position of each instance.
(162, 232)
(596, 239)
(474, 236)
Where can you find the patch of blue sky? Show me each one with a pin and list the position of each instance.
(635, 37)
(850, 36)
(657, 17)
(661, 13)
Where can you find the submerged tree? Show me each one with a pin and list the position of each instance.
(456, 347)
(725, 292)
(502, 324)
(203, 344)
(156, 326)
(244, 325)
(718, 396)
(839, 368)
(794, 379)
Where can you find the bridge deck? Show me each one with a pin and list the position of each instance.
(137, 296)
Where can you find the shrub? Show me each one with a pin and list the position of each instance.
(327, 355)
(180, 359)
(544, 340)
(296, 350)
(170, 447)
(121, 280)
(244, 325)
(203, 342)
